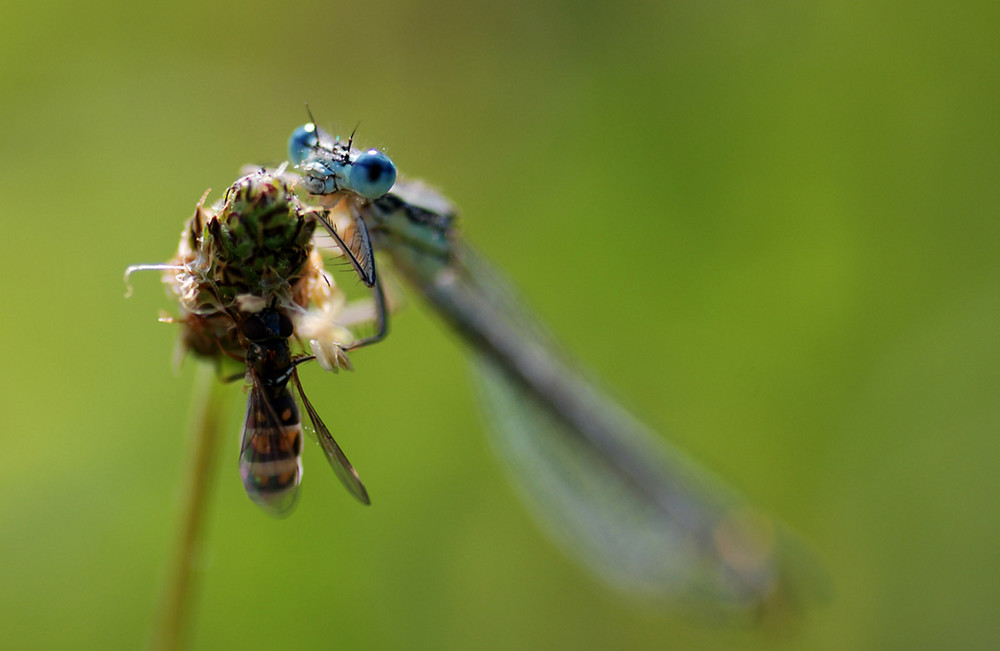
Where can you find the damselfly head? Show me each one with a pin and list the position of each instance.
(330, 166)
(302, 143)
(309, 140)
(372, 174)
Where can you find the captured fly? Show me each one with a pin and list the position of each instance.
(271, 447)
(250, 285)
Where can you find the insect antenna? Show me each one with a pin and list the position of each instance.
(315, 126)
(350, 141)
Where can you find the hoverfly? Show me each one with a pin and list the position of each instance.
(271, 447)
(638, 511)
(250, 284)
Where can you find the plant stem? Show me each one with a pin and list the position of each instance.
(174, 614)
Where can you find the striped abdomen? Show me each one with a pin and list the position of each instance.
(270, 453)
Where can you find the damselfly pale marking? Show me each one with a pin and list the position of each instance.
(249, 283)
(636, 509)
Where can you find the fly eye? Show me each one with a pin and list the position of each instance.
(285, 327)
(303, 141)
(254, 328)
(267, 324)
(371, 174)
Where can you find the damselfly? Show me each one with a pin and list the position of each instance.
(249, 284)
(636, 509)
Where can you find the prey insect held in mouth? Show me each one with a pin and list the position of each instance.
(250, 285)
(638, 511)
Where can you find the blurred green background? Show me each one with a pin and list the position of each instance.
(770, 227)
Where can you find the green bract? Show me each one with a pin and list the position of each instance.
(251, 250)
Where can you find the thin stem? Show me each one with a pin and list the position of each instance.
(173, 617)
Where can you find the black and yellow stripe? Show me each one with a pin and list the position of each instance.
(270, 454)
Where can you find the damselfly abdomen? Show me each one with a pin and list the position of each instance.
(636, 509)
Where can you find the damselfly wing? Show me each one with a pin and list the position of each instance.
(634, 508)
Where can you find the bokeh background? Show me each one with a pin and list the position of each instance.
(770, 227)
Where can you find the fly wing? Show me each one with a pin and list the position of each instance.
(270, 451)
(636, 509)
(345, 472)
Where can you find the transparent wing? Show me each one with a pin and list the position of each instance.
(634, 508)
(270, 451)
(338, 461)
(711, 549)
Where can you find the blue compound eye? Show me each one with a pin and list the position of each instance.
(371, 174)
(302, 142)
